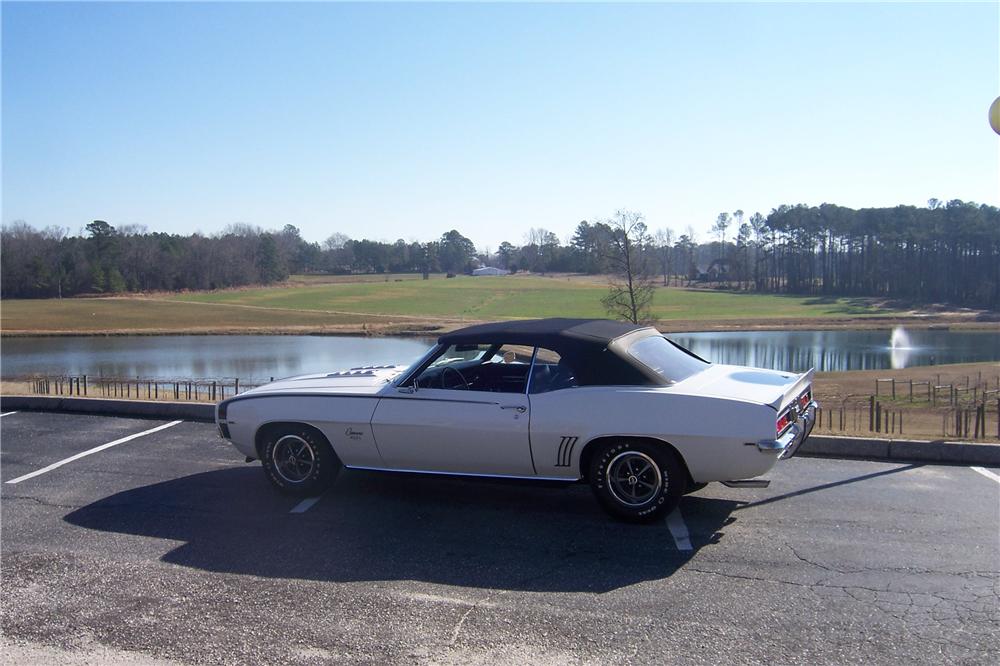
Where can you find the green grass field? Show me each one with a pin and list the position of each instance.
(110, 315)
(315, 304)
(522, 297)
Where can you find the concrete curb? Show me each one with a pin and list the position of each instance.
(817, 446)
(901, 450)
(188, 411)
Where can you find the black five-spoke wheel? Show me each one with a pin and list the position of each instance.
(633, 478)
(293, 458)
(637, 481)
(298, 460)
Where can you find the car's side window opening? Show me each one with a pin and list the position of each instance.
(495, 368)
(551, 372)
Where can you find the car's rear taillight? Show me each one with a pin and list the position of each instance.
(783, 422)
(791, 414)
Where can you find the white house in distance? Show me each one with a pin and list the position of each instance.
(490, 270)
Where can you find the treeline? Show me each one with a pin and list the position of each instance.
(48, 263)
(946, 252)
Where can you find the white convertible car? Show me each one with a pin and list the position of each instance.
(617, 405)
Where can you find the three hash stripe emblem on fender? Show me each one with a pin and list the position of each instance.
(566, 445)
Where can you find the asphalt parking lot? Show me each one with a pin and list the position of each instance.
(168, 547)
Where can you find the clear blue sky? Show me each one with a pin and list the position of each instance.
(393, 121)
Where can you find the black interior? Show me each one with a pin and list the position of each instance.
(498, 377)
(477, 376)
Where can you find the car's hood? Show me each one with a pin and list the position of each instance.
(365, 380)
(767, 387)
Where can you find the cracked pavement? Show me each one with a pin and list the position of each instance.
(169, 549)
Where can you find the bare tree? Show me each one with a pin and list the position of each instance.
(664, 246)
(337, 241)
(631, 291)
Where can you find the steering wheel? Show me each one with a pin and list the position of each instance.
(463, 385)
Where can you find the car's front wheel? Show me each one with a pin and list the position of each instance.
(298, 460)
(637, 481)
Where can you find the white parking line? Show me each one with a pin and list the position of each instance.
(987, 473)
(305, 504)
(678, 528)
(96, 449)
(7, 414)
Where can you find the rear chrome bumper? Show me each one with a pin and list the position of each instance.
(786, 445)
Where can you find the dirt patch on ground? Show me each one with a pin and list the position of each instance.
(915, 322)
(926, 402)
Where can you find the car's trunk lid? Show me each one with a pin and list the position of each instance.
(768, 387)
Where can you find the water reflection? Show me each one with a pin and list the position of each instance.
(841, 350)
(249, 357)
(257, 358)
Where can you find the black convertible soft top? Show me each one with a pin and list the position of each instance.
(582, 342)
(541, 331)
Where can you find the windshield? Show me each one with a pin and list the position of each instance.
(416, 364)
(667, 359)
(461, 353)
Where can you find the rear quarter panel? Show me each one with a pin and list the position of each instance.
(711, 434)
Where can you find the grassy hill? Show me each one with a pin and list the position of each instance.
(521, 297)
(342, 304)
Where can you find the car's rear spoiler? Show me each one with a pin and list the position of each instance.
(794, 390)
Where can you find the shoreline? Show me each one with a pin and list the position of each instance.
(433, 328)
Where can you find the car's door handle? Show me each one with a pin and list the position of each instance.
(521, 409)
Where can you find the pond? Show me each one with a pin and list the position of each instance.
(843, 350)
(254, 358)
(258, 358)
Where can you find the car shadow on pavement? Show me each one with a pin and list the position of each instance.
(379, 527)
(832, 484)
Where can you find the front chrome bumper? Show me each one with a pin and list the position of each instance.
(786, 445)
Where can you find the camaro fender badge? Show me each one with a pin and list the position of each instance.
(565, 454)
(353, 434)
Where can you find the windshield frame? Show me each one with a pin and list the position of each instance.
(417, 366)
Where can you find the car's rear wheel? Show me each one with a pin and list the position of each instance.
(637, 481)
(298, 460)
